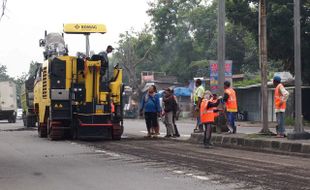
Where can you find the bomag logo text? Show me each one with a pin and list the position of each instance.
(89, 27)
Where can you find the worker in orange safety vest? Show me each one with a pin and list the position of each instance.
(230, 99)
(280, 98)
(207, 116)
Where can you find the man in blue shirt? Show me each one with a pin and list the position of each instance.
(151, 107)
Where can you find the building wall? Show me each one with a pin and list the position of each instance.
(249, 100)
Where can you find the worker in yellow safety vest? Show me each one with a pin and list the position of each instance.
(280, 98)
(198, 96)
(207, 117)
(230, 99)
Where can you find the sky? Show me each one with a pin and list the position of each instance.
(26, 20)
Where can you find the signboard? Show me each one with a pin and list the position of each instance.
(214, 74)
(84, 28)
(147, 78)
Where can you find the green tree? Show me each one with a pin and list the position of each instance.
(173, 36)
(134, 50)
(3, 73)
(20, 80)
(280, 29)
(3, 8)
(186, 36)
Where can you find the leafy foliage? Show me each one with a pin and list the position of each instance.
(19, 81)
(133, 52)
(186, 33)
(3, 73)
(280, 29)
(2, 8)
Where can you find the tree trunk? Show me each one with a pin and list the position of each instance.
(263, 65)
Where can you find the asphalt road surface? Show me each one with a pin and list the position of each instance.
(135, 162)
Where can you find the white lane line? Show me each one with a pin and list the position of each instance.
(201, 177)
(113, 154)
(185, 135)
(162, 134)
(100, 151)
(178, 172)
(204, 178)
(145, 132)
(108, 153)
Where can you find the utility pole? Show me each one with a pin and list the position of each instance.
(263, 64)
(299, 132)
(297, 57)
(221, 46)
(87, 45)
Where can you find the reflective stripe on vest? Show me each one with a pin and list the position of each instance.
(206, 115)
(277, 99)
(231, 104)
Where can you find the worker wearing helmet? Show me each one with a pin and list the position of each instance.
(280, 98)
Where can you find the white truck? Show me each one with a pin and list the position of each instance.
(8, 104)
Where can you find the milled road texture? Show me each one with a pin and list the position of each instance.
(250, 170)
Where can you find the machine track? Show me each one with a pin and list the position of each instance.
(56, 131)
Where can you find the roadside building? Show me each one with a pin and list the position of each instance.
(249, 102)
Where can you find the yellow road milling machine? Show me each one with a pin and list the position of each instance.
(75, 97)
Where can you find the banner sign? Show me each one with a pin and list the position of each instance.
(214, 74)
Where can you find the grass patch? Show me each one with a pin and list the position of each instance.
(247, 82)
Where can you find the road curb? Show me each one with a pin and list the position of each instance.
(242, 141)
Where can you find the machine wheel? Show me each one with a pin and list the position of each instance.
(42, 130)
(12, 119)
(74, 135)
(24, 122)
(30, 121)
(117, 131)
(52, 132)
(74, 132)
(24, 119)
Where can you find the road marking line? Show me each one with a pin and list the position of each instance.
(205, 178)
(162, 134)
(100, 151)
(185, 135)
(108, 153)
(178, 172)
(201, 177)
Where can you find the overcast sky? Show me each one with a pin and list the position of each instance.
(26, 21)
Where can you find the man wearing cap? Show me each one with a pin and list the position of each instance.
(280, 98)
(104, 54)
(230, 99)
(207, 114)
(198, 96)
(169, 106)
(109, 50)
